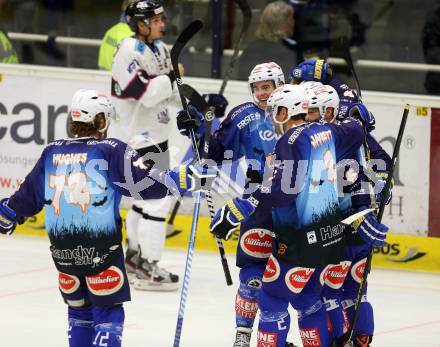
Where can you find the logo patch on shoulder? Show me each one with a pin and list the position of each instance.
(107, 282)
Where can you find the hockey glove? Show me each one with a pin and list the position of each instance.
(217, 101)
(8, 218)
(359, 111)
(191, 119)
(379, 187)
(229, 217)
(370, 229)
(311, 70)
(191, 178)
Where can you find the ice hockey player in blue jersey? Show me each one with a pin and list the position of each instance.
(303, 198)
(79, 183)
(247, 132)
(342, 284)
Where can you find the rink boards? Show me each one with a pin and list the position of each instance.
(33, 108)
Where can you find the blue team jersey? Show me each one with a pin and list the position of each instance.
(247, 132)
(79, 183)
(304, 191)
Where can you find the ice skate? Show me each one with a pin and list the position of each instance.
(243, 337)
(150, 276)
(131, 257)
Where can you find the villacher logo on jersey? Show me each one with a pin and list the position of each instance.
(257, 243)
(107, 282)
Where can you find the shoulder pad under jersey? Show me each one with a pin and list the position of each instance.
(245, 108)
(140, 46)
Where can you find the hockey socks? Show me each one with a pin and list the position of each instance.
(274, 321)
(81, 327)
(313, 327)
(338, 322)
(365, 320)
(109, 324)
(247, 295)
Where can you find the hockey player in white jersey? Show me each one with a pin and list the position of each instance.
(142, 88)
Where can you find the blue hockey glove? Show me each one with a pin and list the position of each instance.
(217, 101)
(8, 218)
(312, 70)
(380, 185)
(192, 119)
(229, 217)
(359, 111)
(191, 178)
(371, 231)
(346, 99)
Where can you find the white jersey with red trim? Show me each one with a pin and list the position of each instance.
(141, 91)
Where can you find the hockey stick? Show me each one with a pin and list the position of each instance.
(209, 116)
(171, 230)
(349, 335)
(385, 192)
(192, 29)
(197, 100)
(247, 17)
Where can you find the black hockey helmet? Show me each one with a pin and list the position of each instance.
(143, 11)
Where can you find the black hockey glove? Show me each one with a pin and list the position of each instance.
(191, 119)
(217, 101)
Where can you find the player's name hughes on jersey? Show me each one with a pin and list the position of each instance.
(79, 182)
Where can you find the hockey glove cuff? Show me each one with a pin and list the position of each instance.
(370, 229)
(8, 218)
(359, 111)
(312, 70)
(229, 217)
(191, 178)
(379, 187)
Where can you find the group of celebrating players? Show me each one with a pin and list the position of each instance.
(309, 150)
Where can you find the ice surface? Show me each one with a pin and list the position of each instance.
(32, 313)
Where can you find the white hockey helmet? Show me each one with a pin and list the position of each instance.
(87, 104)
(266, 72)
(292, 97)
(310, 84)
(322, 97)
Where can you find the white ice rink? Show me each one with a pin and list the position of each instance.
(407, 305)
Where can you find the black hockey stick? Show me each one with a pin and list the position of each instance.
(180, 43)
(171, 230)
(349, 334)
(177, 48)
(192, 29)
(385, 192)
(247, 17)
(197, 100)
